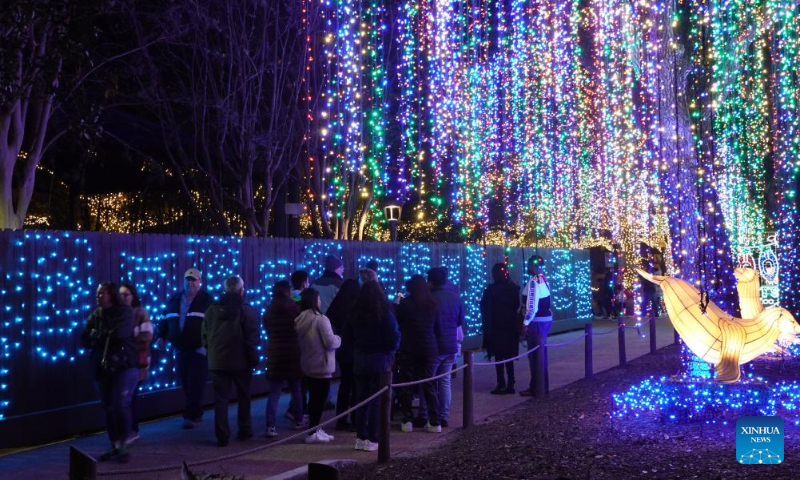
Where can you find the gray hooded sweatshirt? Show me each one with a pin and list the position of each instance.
(318, 344)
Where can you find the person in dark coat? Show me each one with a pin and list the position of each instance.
(376, 338)
(181, 326)
(340, 313)
(109, 335)
(283, 355)
(450, 316)
(418, 356)
(499, 310)
(231, 335)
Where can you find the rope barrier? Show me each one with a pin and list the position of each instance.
(350, 410)
(485, 364)
(567, 342)
(430, 379)
(243, 452)
(610, 331)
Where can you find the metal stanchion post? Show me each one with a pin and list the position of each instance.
(621, 337)
(468, 404)
(588, 361)
(653, 347)
(384, 449)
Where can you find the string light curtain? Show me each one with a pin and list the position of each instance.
(559, 123)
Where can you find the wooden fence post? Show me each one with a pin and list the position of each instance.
(621, 336)
(469, 356)
(81, 465)
(384, 448)
(539, 385)
(588, 351)
(321, 471)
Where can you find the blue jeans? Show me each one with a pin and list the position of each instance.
(443, 385)
(368, 416)
(116, 394)
(193, 372)
(536, 332)
(295, 405)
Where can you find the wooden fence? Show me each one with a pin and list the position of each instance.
(48, 281)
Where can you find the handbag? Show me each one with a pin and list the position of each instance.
(112, 362)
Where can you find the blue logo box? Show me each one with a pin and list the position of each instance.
(759, 440)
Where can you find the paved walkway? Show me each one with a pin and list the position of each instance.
(163, 442)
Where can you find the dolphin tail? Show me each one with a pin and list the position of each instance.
(657, 279)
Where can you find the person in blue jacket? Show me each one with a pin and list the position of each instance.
(182, 326)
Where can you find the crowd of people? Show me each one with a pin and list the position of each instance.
(314, 331)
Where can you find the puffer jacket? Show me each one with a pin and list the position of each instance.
(417, 329)
(283, 349)
(318, 344)
(450, 316)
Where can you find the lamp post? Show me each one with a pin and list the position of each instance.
(392, 212)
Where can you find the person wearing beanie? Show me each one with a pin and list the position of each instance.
(331, 281)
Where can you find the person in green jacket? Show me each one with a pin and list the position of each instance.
(231, 335)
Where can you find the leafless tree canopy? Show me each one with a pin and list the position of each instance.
(225, 85)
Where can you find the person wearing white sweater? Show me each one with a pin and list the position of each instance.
(318, 346)
(538, 318)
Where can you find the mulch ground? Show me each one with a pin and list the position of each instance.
(571, 434)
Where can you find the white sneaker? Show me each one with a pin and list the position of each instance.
(407, 427)
(316, 438)
(433, 428)
(271, 432)
(299, 426)
(360, 444)
(368, 446)
(322, 434)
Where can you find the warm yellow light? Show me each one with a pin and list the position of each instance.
(749, 287)
(717, 337)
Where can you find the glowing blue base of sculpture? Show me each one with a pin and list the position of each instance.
(685, 399)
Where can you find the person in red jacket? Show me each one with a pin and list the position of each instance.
(143, 333)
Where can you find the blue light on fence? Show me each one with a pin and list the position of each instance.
(46, 301)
